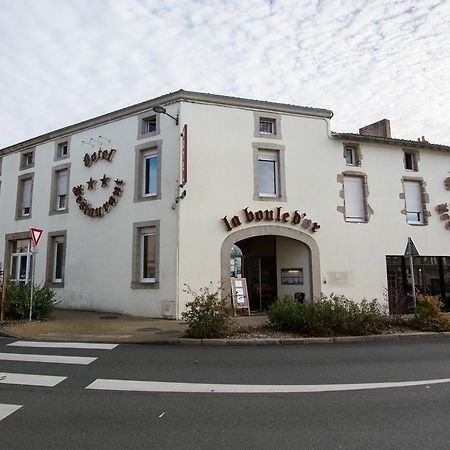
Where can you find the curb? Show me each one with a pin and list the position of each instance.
(308, 340)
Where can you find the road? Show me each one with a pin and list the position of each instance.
(246, 399)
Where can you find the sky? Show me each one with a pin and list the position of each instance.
(65, 61)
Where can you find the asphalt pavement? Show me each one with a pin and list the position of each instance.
(375, 407)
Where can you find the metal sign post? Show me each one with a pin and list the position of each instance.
(36, 234)
(33, 253)
(410, 252)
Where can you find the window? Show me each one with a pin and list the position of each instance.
(62, 149)
(410, 160)
(24, 196)
(267, 125)
(145, 272)
(21, 260)
(268, 170)
(148, 262)
(148, 172)
(148, 125)
(352, 155)
(1, 162)
(27, 159)
(413, 201)
(56, 257)
(59, 201)
(269, 174)
(150, 175)
(354, 199)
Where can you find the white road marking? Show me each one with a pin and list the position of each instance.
(30, 379)
(6, 410)
(158, 386)
(81, 345)
(47, 358)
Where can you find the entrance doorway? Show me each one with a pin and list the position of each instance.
(277, 261)
(274, 267)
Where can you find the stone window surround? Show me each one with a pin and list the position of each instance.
(357, 152)
(281, 171)
(416, 158)
(142, 134)
(23, 153)
(425, 200)
(54, 186)
(139, 170)
(51, 256)
(266, 115)
(1, 164)
(61, 141)
(9, 239)
(20, 180)
(368, 211)
(136, 282)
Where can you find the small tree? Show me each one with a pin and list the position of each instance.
(208, 315)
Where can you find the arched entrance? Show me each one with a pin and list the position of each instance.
(276, 261)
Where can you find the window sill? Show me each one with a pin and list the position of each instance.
(55, 285)
(142, 285)
(58, 212)
(269, 199)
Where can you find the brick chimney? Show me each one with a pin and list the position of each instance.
(381, 128)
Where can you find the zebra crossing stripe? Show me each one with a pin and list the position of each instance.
(30, 379)
(6, 410)
(55, 359)
(80, 345)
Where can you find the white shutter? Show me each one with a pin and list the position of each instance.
(413, 196)
(62, 183)
(354, 199)
(26, 199)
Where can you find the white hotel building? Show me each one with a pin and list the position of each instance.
(137, 203)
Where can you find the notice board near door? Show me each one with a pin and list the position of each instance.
(239, 295)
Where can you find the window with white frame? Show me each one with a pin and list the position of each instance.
(148, 125)
(410, 160)
(414, 203)
(148, 256)
(150, 175)
(25, 207)
(145, 255)
(27, 159)
(21, 261)
(267, 126)
(56, 257)
(63, 149)
(61, 189)
(268, 173)
(354, 199)
(148, 172)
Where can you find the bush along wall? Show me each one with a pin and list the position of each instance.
(17, 302)
(328, 316)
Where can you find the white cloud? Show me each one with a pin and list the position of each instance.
(63, 62)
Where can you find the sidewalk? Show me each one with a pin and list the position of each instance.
(88, 326)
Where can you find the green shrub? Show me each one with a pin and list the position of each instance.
(207, 315)
(17, 302)
(332, 316)
(429, 315)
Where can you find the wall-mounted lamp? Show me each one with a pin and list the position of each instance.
(162, 110)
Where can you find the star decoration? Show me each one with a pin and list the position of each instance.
(91, 183)
(105, 181)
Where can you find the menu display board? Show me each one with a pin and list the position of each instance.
(239, 295)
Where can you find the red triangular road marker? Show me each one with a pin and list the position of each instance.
(36, 234)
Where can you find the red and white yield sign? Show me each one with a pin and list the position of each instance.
(36, 234)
